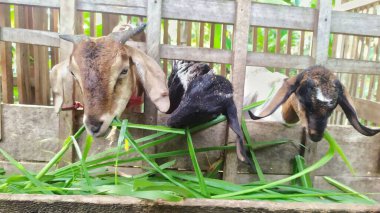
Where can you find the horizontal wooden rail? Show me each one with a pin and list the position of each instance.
(205, 54)
(27, 36)
(355, 4)
(263, 15)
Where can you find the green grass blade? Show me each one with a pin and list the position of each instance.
(300, 165)
(196, 167)
(339, 150)
(119, 147)
(326, 158)
(83, 162)
(22, 169)
(55, 160)
(206, 125)
(151, 172)
(347, 189)
(254, 159)
(153, 128)
(158, 169)
(212, 172)
(87, 147)
(253, 105)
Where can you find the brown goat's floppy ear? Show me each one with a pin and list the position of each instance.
(345, 101)
(287, 88)
(58, 75)
(152, 78)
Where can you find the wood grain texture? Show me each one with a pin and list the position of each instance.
(105, 203)
(239, 62)
(67, 26)
(321, 33)
(6, 57)
(22, 60)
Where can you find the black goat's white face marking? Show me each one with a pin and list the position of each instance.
(189, 70)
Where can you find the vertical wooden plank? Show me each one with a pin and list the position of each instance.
(67, 26)
(254, 39)
(212, 38)
(109, 21)
(239, 58)
(201, 34)
(302, 43)
(223, 71)
(22, 60)
(166, 41)
(30, 54)
(179, 32)
(321, 33)
(79, 23)
(153, 35)
(6, 58)
(266, 40)
(93, 24)
(41, 62)
(289, 48)
(278, 41)
(54, 19)
(188, 32)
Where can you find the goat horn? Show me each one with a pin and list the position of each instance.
(123, 36)
(75, 39)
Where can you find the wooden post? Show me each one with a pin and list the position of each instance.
(67, 26)
(41, 69)
(22, 59)
(153, 35)
(321, 33)
(239, 58)
(6, 58)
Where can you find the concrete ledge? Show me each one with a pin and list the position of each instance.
(57, 203)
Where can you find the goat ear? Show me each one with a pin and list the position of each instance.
(58, 75)
(345, 101)
(287, 88)
(152, 78)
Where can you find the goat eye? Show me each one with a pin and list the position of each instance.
(73, 75)
(124, 71)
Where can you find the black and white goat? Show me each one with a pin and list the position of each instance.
(309, 97)
(197, 95)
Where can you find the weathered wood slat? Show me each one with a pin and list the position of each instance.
(321, 33)
(279, 16)
(22, 59)
(153, 37)
(355, 23)
(353, 66)
(27, 36)
(264, 15)
(41, 69)
(67, 26)
(239, 63)
(195, 54)
(355, 4)
(6, 58)
(368, 110)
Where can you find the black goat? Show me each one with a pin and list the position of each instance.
(197, 96)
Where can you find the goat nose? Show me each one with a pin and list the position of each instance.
(94, 125)
(315, 137)
(95, 128)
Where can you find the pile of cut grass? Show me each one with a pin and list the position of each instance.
(92, 174)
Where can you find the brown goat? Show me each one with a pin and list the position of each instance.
(311, 97)
(108, 72)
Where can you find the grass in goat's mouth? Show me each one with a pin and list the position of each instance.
(92, 174)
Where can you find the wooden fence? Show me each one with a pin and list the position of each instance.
(34, 28)
(362, 86)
